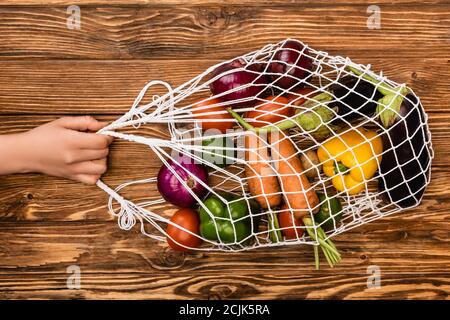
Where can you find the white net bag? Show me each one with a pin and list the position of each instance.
(281, 146)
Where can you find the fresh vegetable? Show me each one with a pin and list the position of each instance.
(403, 169)
(311, 164)
(291, 227)
(300, 96)
(227, 224)
(351, 159)
(236, 82)
(261, 178)
(330, 209)
(273, 227)
(179, 239)
(315, 121)
(291, 65)
(294, 228)
(294, 184)
(273, 110)
(171, 187)
(299, 195)
(212, 115)
(219, 151)
(354, 98)
(297, 185)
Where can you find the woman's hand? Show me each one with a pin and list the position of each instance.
(67, 147)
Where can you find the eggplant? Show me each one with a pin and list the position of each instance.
(404, 169)
(356, 98)
(406, 160)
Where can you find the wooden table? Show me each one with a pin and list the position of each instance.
(47, 71)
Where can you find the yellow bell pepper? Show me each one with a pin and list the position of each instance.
(351, 158)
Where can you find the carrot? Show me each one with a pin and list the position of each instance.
(261, 178)
(294, 183)
(298, 193)
(296, 188)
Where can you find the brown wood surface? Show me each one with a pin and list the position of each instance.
(48, 224)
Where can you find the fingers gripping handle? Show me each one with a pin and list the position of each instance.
(128, 214)
(151, 142)
(136, 115)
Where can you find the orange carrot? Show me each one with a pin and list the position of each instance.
(295, 185)
(296, 188)
(261, 178)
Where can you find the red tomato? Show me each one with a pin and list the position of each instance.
(285, 221)
(297, 100)
(200, 107)
(271, 111)
(188, 219)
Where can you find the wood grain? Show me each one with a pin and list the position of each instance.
(48, 224)
(200, 32)
(170, 3)
(118, 264)
(102, 87)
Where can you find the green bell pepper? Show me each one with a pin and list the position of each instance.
(329, 210)
(228, 224)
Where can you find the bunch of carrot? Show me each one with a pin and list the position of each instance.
(284, 181)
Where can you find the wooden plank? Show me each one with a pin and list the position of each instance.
(161, 3)
(45, 246)
(118, 264)
(401, 232)
(109, 87)
(219, 32)
(229, 286)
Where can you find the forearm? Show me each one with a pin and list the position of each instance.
(66, 148)
(14, 154)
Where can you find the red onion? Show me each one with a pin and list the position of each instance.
(290, 60)
(239, 78)
(173, 190)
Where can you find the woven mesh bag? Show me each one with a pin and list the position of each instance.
(353, 139)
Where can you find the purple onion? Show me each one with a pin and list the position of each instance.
(237, 79)
(173, 190)
(291, 65)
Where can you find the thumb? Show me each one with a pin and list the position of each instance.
(85, 123)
